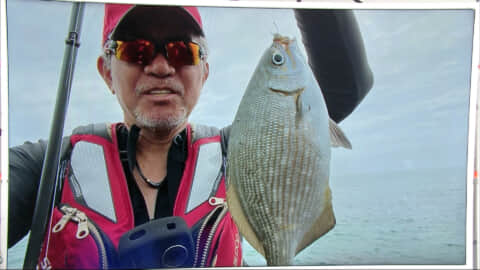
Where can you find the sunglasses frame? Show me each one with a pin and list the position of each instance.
(111, 47)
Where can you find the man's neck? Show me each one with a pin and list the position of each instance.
(156, 141)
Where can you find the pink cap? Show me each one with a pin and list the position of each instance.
(114, 13)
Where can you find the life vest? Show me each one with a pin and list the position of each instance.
(95, 208)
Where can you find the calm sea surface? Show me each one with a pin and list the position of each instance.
(406, 217)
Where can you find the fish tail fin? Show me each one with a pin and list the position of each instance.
(337, 137)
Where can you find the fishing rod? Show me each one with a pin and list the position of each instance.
(476, 194)
(476, 184)
(49, 175)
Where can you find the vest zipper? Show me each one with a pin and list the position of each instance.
(85, 228)
(221, 208)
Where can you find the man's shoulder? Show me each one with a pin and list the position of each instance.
(98, 129)
(203, 131)
(36, 150)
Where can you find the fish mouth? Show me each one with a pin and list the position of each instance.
(295, 92)
(282, 40)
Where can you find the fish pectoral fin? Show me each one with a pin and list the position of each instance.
(241, 220)
(324, 223)
(302, 107)
(337, 137)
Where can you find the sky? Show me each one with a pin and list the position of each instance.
(415, 116)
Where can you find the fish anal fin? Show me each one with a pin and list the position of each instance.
(324, 223)
(241, 220)
(337, 137)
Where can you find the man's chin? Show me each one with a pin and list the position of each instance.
(160, 124)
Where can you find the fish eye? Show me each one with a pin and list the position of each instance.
(278, 59)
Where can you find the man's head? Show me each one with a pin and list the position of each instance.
(155, 62)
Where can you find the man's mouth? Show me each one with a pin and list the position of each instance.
(159, 92)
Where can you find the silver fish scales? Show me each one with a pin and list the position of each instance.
(279, 157)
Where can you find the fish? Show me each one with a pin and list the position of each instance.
(278, 156)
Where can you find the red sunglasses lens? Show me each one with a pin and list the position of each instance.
(180, 53)
(138, 51)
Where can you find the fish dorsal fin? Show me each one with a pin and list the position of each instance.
(324, 223)
(337, 137)
(241, 220)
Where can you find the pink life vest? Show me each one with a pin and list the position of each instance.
(95, 209)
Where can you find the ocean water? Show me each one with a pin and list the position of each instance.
(413, 217)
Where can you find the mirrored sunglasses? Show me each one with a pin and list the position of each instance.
(178, 53)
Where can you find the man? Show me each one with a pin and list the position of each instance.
(123, 182)
(157, 74)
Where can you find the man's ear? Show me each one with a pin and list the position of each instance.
(206, 70)
(105, 72)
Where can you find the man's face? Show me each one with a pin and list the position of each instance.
(157, 95)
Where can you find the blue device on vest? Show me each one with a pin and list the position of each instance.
(161, 243)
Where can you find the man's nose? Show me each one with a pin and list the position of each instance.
(159, 67)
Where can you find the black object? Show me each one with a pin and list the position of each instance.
(49, 179)
(164, 242)
(336, 54)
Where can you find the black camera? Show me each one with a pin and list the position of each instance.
(161, 243)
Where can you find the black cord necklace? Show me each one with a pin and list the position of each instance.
(145, 179)
(132, 158)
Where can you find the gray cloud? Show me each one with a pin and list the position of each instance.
(421, 62)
